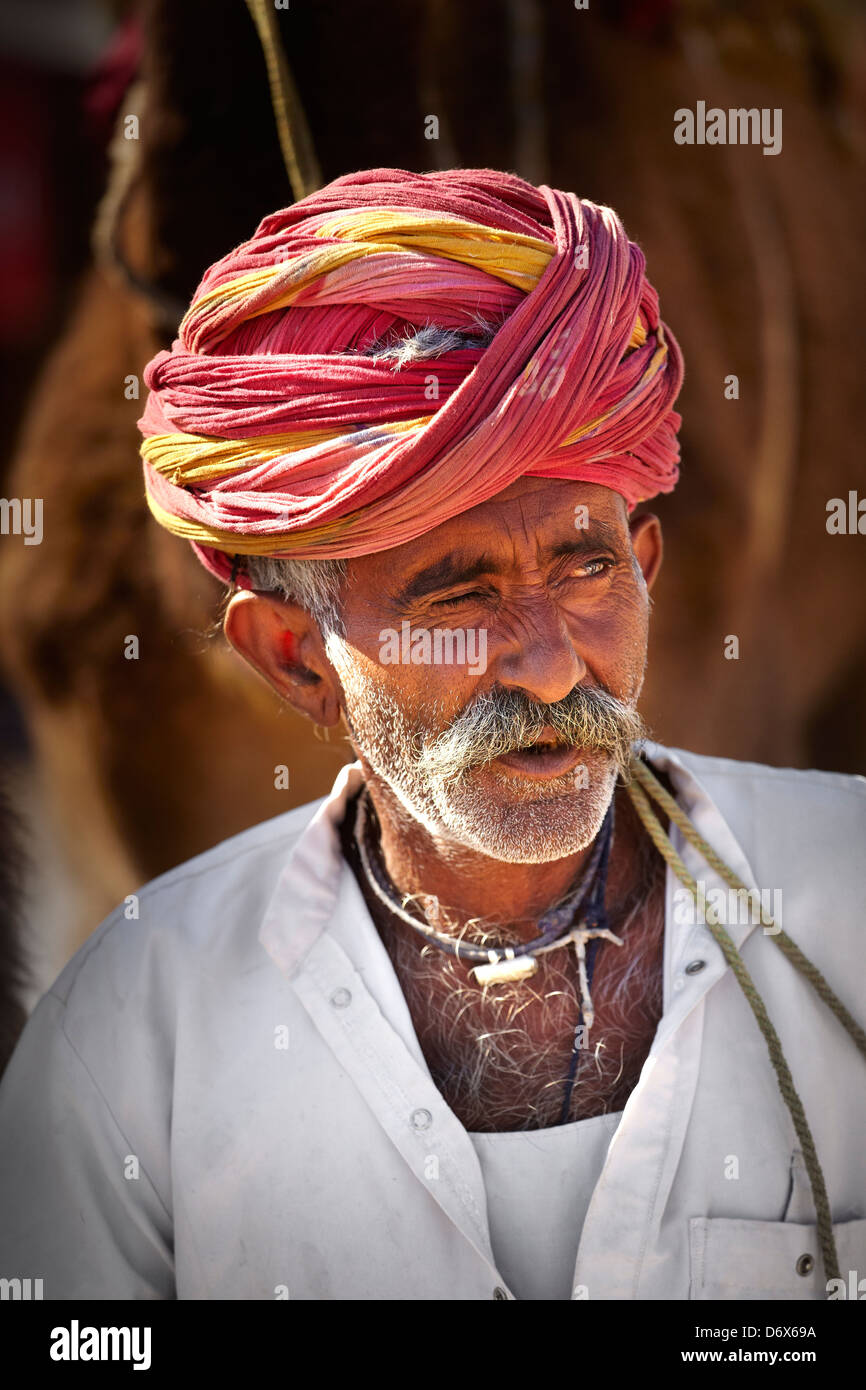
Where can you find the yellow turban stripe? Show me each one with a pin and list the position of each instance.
(227, 540)
(196, 459)
(519, 261)
(193, 458)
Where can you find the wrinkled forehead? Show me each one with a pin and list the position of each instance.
(549, 505)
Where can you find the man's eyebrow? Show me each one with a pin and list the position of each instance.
(596, 534)
(457, 567)
(460, 567)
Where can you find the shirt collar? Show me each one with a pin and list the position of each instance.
(303, 901)
(710, 814)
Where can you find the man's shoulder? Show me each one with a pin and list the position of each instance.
(208, 906)
(790, 785)
(802, 819)
(267, 841)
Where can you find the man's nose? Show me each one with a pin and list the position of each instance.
(541, 659)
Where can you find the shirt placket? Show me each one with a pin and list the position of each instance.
(399, 1093)
(317, 893)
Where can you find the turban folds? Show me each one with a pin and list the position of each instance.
(271, 430)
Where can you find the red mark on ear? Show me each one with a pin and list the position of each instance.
(289, 648)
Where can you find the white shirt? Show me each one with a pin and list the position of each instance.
(538, 1185)
(225, 1098)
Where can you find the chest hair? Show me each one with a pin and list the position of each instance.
(500, 1056)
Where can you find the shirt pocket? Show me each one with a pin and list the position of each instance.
(731, 1259)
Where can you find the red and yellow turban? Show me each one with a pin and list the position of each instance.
(269, 432)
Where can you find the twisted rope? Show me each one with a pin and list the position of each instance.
(649, 785)
(789, 948)
(296, 142)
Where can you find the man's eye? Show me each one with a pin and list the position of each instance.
(590, 569)
(459, 598)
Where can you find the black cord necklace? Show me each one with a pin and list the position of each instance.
(587, 929)
(595, 916)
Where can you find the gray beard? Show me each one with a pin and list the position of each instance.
(529, 823)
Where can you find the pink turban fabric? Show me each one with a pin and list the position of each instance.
(268, 431)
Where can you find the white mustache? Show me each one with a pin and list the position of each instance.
(502, 721)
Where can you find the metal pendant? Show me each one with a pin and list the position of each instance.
(505, 972)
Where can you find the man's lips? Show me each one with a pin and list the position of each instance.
(547, 757)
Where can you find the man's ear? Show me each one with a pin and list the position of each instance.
(283, 644)
(646, 540)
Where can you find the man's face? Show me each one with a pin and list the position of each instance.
(545, 608)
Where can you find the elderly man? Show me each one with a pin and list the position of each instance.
(512, 1012)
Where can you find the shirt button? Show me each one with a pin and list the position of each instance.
(341, 998)
(500, 1293)
(679, 983)
(805, 1265)
(420, 1119)
(695, 966)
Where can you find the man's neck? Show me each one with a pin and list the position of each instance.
(469, 884)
